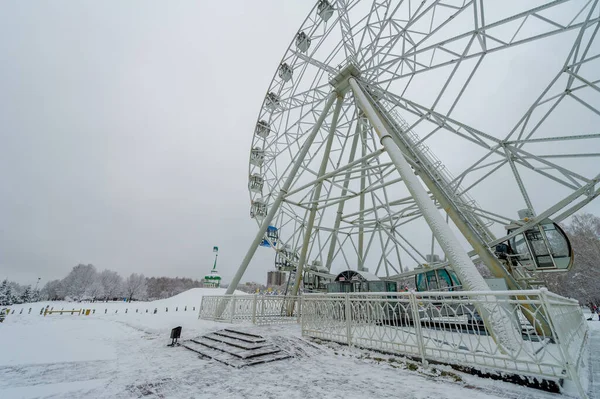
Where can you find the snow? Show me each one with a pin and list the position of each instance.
(124, 355)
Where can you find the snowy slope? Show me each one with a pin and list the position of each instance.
(192, 296)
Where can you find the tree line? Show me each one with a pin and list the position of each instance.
(86, 283)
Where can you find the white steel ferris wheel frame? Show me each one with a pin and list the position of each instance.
(388, 44)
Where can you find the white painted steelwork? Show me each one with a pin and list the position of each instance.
(424, 67)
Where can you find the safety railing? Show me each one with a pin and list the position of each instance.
(257, 309)
(447, 327)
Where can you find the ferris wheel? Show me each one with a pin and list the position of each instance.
(494, 107)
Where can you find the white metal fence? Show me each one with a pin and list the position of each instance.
(258, 309)
(446, 327)
(442, 327)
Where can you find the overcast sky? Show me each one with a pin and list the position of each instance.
(125, 130)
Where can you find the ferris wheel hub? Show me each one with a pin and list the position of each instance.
(341, 81)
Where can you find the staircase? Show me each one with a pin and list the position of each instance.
(235, 348)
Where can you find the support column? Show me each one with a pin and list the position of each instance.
(275, 207)
(361, 206)
(340, 209)
(316, 196)
(502, 328)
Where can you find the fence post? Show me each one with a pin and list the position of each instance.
(564, 352)
(232, 308)
(254, 309)
(348, 312)
(300, 307)
(216, 300)
(417, 323)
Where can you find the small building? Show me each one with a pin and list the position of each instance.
(212, 280)
(360, 281)
(275, 278)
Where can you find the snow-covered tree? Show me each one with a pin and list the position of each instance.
(583, 281)
(135, 286)
(4, 295)
(26, 296)
(96, 289)
(79, 280)
(112, 284)
(36, 295)
(10, 297)
(53, 290)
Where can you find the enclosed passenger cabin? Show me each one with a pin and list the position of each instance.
(316, 277)
(286, 260)
(437, 280)
(258, 209)
(262, 129)
(256, 183)
(302, 42)
(272, 101)
(324, 10)
(285, 72)
(257, 156)
(271, 237)
(545, 247)
(360, 281)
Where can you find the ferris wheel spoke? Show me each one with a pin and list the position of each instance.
(403, 29)
(477, 136)
(461, 192)
(558, 138)
(591, 194)
(571, 69)
(577, 46)
(346, 28)
(421, 59)
(519, 152)
(374, 12)
(379, 25)
(321, 65)
(492, 217)
(388, 48)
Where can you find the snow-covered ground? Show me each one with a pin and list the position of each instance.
(124, 355)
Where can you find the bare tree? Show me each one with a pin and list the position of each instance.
(135, 286)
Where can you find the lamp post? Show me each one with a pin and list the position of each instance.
(216, 251)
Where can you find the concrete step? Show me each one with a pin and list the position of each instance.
(250, 359)
(213, 354)
(250, 338)
(235, 342)
(235, 351)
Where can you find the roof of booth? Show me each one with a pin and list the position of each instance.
(353, 275)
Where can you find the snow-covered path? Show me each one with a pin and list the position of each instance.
(125, 356)
(594, 388)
